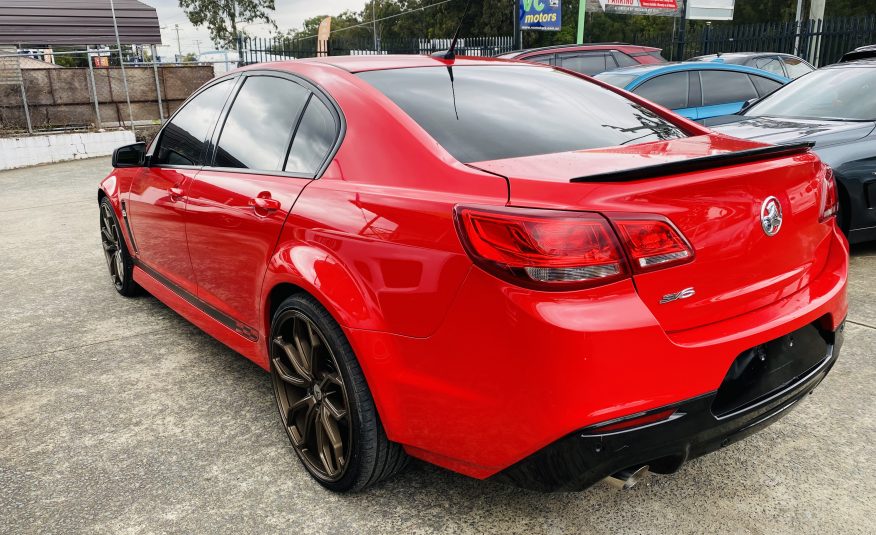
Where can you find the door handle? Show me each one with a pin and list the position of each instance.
(264, 203)
(176, 193)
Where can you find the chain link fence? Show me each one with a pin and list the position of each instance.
(43, 91)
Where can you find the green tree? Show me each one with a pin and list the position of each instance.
(223, 17)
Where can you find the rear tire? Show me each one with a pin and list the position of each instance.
(325, 405)
(118, 259)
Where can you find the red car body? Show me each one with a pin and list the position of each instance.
(470, 369)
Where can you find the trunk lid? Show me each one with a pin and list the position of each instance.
(737, 267)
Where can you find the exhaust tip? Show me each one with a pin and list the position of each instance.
(629, 478)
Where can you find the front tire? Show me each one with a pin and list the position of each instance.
(118, 259)
(324, 402)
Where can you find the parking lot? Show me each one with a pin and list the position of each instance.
(118, 416)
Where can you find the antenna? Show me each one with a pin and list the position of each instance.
(450, 54)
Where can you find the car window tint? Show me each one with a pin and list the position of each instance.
(260, 123)
(546, 59)
(313, 139)
(623, 60)
(481, 113)
(770, 64)
(724, 87)
(183, 140)
(841, 93)
(592, 63)
(796, 67)
(764, 85)
(668, 90)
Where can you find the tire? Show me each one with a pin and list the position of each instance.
(324, 402)
(118, 259)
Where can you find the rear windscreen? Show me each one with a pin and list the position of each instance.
(482, 113)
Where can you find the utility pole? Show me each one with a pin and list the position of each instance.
(198, 44)
(374, 22)
(799, 21)
(178, 45)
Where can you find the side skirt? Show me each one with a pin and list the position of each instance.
(245, 345)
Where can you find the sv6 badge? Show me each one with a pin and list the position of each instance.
(684, 294)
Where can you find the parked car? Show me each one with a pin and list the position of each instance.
(784, 65)
(862, 52)
(502, 268)
(590, 59)
(834, 108)
(697, 90)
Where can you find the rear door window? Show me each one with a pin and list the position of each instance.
(313, 140)
(586, 63)
(623, 60)
(544, 59)
(482, 113)
(668, 90)
(764, 85)
(184, 140)
(796, 67)
(260, 124)
(724, 87)
(770, 64)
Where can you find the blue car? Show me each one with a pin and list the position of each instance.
(696, 90)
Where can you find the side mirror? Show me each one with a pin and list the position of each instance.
(130, 155)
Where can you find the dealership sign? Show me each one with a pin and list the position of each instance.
(641, 7)
(541, 15)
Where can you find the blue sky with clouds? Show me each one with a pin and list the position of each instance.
(289, 14)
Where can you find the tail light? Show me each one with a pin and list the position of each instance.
(652, 242)
(829, 196)
(634, 420)
(561, 250)
(542, 249)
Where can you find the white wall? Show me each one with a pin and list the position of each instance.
(34, 150)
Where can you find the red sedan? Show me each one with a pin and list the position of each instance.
(506, 269)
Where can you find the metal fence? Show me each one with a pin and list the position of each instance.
(258, 50)
(88, 90)
(821, 42)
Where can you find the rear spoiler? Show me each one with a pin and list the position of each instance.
(699, 164)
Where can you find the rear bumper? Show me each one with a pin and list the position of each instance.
(582, 458)
(511, 372)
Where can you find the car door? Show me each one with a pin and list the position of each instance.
(156, 203)
(724, 92)
(670, 91)
(238, 205)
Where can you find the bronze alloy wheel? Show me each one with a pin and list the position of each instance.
(112, 248)
(311, 395)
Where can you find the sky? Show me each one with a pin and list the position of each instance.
(288, 15)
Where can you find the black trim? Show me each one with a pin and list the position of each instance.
(699, 164)
(240, 328)
(587, 456)
(124, 206)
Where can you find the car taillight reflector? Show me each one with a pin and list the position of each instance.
(633, 421)
(829, 196)
(652, 242)
(544, 249)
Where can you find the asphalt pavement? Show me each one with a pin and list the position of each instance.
(118, 416)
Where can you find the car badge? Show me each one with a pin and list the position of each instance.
(771, 216)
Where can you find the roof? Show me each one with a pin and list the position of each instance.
(77, 22)
(392, 61)
(642, 72)
(574, 47)
(862, 52)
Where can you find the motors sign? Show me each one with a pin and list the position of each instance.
(641, 7)
(545, 15)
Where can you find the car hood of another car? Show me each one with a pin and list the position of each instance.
(781, 130)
